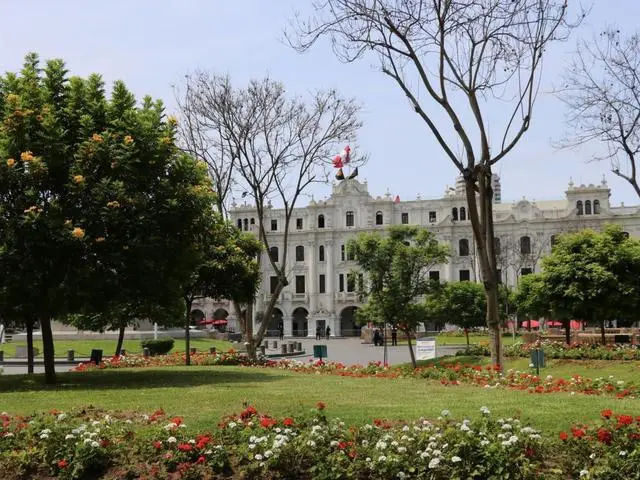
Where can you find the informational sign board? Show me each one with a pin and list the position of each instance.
(425, 348)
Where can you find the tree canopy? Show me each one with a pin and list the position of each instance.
(396, 266)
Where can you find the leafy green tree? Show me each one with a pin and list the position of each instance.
(593, 276)
(98, 208)
(465, 305)
(396, 266)
(226, 267)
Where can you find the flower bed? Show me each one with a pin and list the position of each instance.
(95, 444)
(446, 374)
(574, 351)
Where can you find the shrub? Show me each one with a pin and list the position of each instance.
(161, 346)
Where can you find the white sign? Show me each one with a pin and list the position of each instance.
(425, 348)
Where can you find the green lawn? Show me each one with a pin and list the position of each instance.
(473, 339)
(83, 348)
(203, 394)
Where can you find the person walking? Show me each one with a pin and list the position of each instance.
(328, 332)
(394, 336)
(281, 330)
(318, 332)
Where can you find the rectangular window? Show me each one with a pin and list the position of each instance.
(299, 283)
(464, 275)
(499, 275)
(321, 253)
(341, 283)
(274, 224)
(432, 217)
(351, 282)
(273, 284)
(404, 218)
(350, 255)
(342, 248)
(435, 276)
(526, 271)
(322, 287)
(299, 253)
(298, 224)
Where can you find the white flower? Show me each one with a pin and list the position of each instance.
(334, 443)
(9, 435)
(464, 427)
(268, 453)
(381, 445)
(424, 455)
(182, 425)
(456, 459)
(170, 426)
(485, 410)
(592, 456)
(445, 413)
(506, 426)
(192, 441)
(401, 475)
(434, 462)
(382, 458)
(62, 416)
(623, 453)
(232, 425)
(172, 440)
(46, 431)
(531, 365)
(584, 473)
(258, 456)
(69, 437)
(43, 436)
(311, 443)
(402, 449)
(95, 444)
(95, 422)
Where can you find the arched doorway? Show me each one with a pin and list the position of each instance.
(197, 317)
(348, 327)
(299, 324)
(219, 320)
(276, 321)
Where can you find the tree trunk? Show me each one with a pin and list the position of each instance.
(495, 332)
(567, 331)
(187, 334)
(466, 334)
(29, 323)
(411, 352)
(48, 352)
(602, 335)
(120, 338)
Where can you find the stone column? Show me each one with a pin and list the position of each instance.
(330, 282)
(288, 325)
(313, 278)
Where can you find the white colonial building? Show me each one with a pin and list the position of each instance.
(321, 291)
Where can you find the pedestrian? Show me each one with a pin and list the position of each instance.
(394, 336)
(376, 337)
(318, 332)
(281, 330)
(328, 332)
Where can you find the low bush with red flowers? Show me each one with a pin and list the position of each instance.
(553, 349)
(96, 444)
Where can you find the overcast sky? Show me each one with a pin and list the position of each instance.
(153, 44)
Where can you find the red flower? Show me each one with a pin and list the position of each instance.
(157, 445)
(321, 405)
(287, 422)
(176, 420)
(267, 422)
(624, 420)
(63, 463)
(577, 432)
(342, 445)
(606, 413)
(529, 452)
(248, 412)
(201, 459)
(185, 447)
(564, 435)
(604, 436)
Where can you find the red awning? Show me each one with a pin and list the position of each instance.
(554, 323)
(219, 321)
(534, 323)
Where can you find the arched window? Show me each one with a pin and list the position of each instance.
(350, 219)
(625, 234)
(378, 218)
(239, 224)
(596, 207)
(273, 253)
(321, 253)
(525, 245)
(299, 253)
(246, 223)
(587, 207)
(463, 213)
(554, 240)
(252, 221)
(496, 245)
(463, 247)
(454, 213)
(579, 207)
(320, 221)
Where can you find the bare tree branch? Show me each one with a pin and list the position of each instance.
(601, 90)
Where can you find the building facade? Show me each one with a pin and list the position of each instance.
(322, 292)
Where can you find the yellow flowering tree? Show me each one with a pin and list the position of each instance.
(98, 208)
